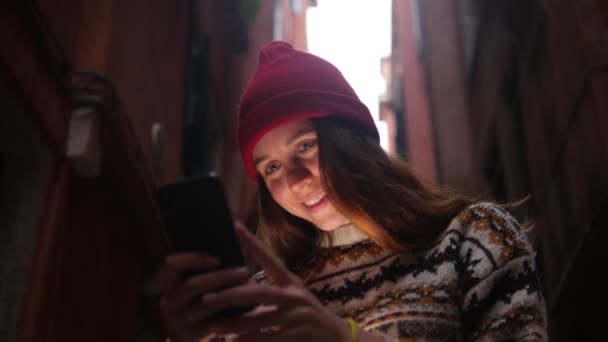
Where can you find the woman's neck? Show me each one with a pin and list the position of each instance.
(343, 235)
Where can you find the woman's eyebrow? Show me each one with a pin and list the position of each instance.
(298, 134)
(293, 138)
(259, 160)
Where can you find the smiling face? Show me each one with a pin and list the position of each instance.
(287, 158)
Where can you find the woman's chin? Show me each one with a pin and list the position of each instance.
(331, 225)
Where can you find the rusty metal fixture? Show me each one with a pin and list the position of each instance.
(159, 146)
(83, 148)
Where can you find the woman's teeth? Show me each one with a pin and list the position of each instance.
(314, 200)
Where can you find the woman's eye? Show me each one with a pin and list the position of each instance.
(270, 168)
(307, 145)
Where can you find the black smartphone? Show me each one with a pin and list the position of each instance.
(197, 218)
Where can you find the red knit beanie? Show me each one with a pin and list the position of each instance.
(293, 85)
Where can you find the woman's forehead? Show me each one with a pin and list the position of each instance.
(283, 135)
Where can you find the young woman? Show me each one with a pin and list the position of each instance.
(353, 246)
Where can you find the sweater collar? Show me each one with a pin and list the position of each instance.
(347, 234)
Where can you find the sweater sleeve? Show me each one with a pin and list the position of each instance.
(501, 294)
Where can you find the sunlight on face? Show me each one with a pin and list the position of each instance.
(287, 158)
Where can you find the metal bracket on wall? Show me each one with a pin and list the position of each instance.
(83, 148)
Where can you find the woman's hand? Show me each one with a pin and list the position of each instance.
(289, 311)
(181, 296)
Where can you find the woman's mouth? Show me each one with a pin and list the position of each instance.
(316, 203)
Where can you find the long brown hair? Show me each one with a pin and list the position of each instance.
(380, 194)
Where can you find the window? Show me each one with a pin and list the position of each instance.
(277, 33)
(296, 6)
(200, 125)
(416, 20)
(26, 168)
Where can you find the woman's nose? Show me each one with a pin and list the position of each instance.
(298, 176)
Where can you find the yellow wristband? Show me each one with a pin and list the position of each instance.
(354, 329)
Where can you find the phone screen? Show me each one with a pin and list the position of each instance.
(197, 219)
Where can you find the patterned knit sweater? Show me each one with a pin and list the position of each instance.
(479, 283)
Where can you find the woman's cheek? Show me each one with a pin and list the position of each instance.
(278, 193)
(313, 164)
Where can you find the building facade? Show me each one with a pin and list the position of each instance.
(537, 86)
(516, 97)
(101, 103)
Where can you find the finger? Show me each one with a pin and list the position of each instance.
(255, 294)
(278, 335)
(204, 283)
(177, 264)
(249, 322)
(198, 331)
(262, 309)
(243, 295)
(262, 320)
(274, 268)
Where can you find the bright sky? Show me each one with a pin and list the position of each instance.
(354, 35)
